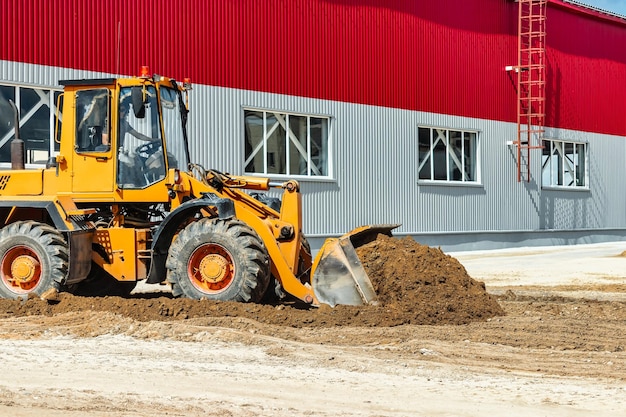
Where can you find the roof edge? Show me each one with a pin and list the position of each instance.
(595, 12)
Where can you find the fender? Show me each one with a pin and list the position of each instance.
(49, 206)
(78, 239)
(165, 232)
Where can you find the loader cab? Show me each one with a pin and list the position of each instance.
(127, 133)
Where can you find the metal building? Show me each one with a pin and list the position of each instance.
(473, 123)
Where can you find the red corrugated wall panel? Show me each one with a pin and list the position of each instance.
(408, 54)
(586, 72)
(445, 57)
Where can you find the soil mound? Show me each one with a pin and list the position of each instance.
(416, 284)
(428, 285)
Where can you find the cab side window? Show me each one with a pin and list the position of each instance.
(92, 120)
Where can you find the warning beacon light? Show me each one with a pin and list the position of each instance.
(145, 72)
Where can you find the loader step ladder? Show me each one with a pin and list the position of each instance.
(531, 83)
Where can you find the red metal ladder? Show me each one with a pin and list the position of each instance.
(531, 83)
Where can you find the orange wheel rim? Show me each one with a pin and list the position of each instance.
(20, 270)
(211, 268)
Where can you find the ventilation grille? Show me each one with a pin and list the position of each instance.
(81, 221)
(4, 180)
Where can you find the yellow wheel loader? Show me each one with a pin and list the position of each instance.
(122, 202)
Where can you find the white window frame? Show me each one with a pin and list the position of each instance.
(440, 135)
(24, 118)
(560, 169)
(291, 140)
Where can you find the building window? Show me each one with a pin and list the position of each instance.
(564, 164)
(448, 155)
(37, 121)
(286, 144)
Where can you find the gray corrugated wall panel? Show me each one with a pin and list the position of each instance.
(16, 72)
(375, 171)
(375, 166)
(603, 206)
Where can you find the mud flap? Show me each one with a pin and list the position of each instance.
(338, 275)
(80, 255)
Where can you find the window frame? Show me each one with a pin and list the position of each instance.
(562, 156)
(51, 102)
(97, 95)
(434, 142)
(289, 139)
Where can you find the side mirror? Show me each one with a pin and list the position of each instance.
(139, 107)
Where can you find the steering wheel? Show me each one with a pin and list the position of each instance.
(145, 151)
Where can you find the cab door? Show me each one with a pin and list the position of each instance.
(93, 164)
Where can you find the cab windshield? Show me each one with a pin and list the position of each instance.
(139, 145)
(141, 161)
(173, 127)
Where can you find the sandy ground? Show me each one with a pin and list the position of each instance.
(601, 263)
(558, 351)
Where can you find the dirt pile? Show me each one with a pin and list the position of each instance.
(416, 284)
(429, 286)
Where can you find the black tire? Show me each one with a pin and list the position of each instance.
(218, 260)
(100, 283)
(33, 258)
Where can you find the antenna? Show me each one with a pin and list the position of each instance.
(119, 38)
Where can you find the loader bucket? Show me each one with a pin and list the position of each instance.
(338, 275)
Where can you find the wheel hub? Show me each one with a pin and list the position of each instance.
(213, 268)
(24, 269)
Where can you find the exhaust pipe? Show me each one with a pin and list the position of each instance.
(18, 154)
